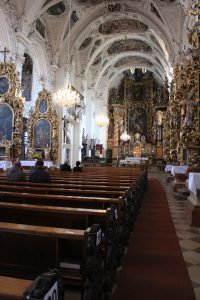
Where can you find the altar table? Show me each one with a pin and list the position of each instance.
(178, 170)
(168, 168)
(31, 163)
(194, 182)
(5, 164)
(133, 161)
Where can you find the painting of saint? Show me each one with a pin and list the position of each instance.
(42, 134)
(43, 106)
(4, 85)
(138, 121)
(6, 122)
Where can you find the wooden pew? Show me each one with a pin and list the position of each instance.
(132, 196)
(75, 218)
(67, 191)
(48, 283)
(27, 250)
(74, 184)
(108, 188)
(13, 288)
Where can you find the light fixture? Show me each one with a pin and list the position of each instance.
(144, 70)
(67, 96)
(102, 120)
(125, 137)
(132, 70)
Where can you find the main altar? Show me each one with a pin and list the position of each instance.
(136, 108)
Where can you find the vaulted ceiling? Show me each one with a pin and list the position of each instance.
(100, 38)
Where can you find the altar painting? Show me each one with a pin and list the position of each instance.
(138, 121)
(42, 134)
(6, 122)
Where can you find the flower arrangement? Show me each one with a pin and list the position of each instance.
(36, 155)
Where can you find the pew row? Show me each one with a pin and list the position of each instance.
(75, 218)
(48, 284)
(27, 250)
(12, 288)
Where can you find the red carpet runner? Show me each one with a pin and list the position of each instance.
(154, 268)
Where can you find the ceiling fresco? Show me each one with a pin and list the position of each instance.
(128, 45)
(123, 25)
(131, 60)
(56, 9)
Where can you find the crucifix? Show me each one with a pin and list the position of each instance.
(65, 122)
(5, 52)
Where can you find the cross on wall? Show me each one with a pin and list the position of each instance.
(5, 52)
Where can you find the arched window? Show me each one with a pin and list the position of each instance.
(27, 77)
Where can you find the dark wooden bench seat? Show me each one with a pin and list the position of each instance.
(60, 191)
(61, 200)
(38, 205)
(76, 218)
(76, 184)
(12, 288)
(27, 250)
(53, 216)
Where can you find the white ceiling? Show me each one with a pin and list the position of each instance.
(104, 38)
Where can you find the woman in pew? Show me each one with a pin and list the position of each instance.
(16, 173)
(38, 174)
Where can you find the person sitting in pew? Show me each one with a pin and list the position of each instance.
(77, 168)
(65, 166)
(16, 173)
(38, 174)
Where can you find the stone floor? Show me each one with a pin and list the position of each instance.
(189, 237)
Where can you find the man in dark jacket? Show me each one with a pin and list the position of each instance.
(16, 173)
(65, 166)
(39, 174)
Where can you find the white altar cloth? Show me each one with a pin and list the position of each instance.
(133, 160)
(168, 168)
(194, 182)
(31, 163)
(178, 170)
(5, 164)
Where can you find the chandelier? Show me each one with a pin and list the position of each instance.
(102, 120)
(67, 97)
(132, 70)
(125, 137)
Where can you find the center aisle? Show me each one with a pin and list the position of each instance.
(154, 268)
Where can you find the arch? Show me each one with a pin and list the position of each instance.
(7, 38)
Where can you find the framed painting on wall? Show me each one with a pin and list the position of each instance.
(6, 122)
(42, 134)
(4, 85)
(138, 121)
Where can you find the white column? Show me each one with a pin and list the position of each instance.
(76, 149)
